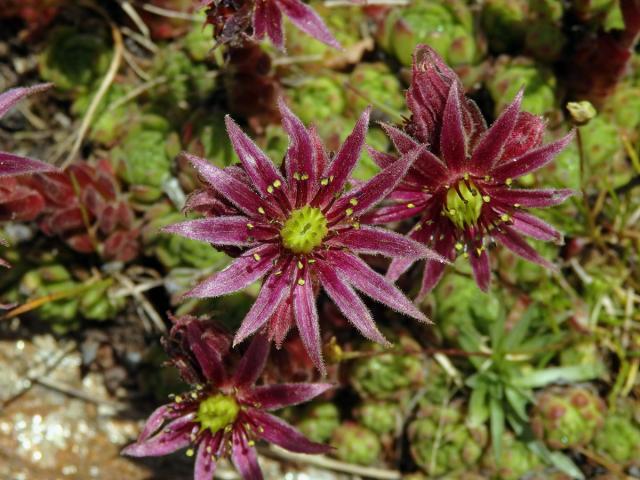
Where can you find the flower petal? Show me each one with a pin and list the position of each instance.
(173, 437)
(339, 170)
(209, 347)
(366, 196)
(371, 283)
(306, 316)
(453, 142)
(307, 20)
(526, 135)
(11, 165)
(205, 465)
(349, 303)
(263, 173)
(494, 140)
(155, 421)
(481, 269)
(383, 160)
(517, 245)
(529, 198)
(393, 213)
(244, 457)
(533, 227)
(284, 435)
(404, 143)
(231, 187)
(267, 20)
(9, 98)
(378, 241)
(224, 230)
(273, 397)
(242, 272)
(530, 161)
(252, 362)
(433, 271)
(274, 290)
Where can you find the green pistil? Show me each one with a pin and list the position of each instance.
(464, 204)
(217, 411)
(304, 230)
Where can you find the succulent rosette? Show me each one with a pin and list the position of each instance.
(224, 414)
(462, 189)
(301, 231)
(233, 19)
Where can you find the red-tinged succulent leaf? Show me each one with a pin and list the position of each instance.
(274, 397)
(18, 202)
(279, 432)
(244, 270)
(122, 245)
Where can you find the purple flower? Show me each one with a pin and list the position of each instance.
(224, 414)
(233, 18)
(11, 164)
(462, 189)
(301, 230)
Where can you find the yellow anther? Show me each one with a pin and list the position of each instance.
(410, 205)
(508, 182)
(190, 452)
(349, 211)
(270, 189)
(486, 198)
(300, 265)
(301, 282)
(261, 211)
(353, 202)
(324, 182)
(504, 217)
(249, 226)
(256, 257)
(277, 183)
(305, 176)
(459, 246)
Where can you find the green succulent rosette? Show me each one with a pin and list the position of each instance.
(510, 74)
(619, 440)
(623, 108)
(316, 99)
(516, 460)
(74, 60)
(447, 26)
(319, 421)
(379, 417)
(567, 417)
(356, 444)
(143, 159)
(374, 84)
(605, 13)
(389, 376)
(504, 23)
(545, 40)
(459, 446)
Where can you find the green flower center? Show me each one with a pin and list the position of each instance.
(217, 411)
(304, 229)
(464, 204)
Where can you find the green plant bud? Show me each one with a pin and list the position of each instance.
(619, 440)
(445, 26)
(510, 75)
(459, 445)
(567, 417)
(356, 444)
(143, 159)
(74, 60)
(391, 375)
(318, 98)
(319, 422)
(504, 22)
(379, 417)
(581, 112)
(516, 460)
(374, 84)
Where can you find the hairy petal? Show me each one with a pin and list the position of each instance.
(306, 315)
(307, 20)
(273, 291)
(533, 227)
(252, 363)
(155, 421)
(205, 465)
(244, 457)
(510, 239)
(9, 98)
(267, 20)
(526, 134)
(371, 283)
(259, 167)
(530, 198)
(279, 432)
(404, 143)
(224, 230)
(378, 241)
(530, 161)
(273, 397)
(493, 141)
(433, 271)
(481, 269)
(339, 170)
(349, 303)
(244, 270)
(452, 138)
(173, 437)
